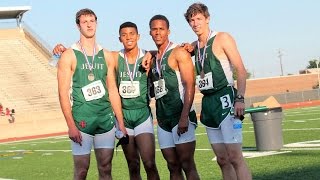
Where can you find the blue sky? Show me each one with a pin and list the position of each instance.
(260, 28)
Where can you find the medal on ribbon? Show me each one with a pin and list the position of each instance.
(202, 57)
(158, 64)
(90, 75)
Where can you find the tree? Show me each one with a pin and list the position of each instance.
(312, 64)
(235, 74)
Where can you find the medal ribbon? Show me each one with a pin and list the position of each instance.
(201, 57)
(157, 63)
(131, 76)
(86, 57)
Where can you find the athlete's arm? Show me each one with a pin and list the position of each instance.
(66, 67)
(114, 96)
(230, 48)
(185, 66)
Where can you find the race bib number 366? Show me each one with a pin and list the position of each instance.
(94, 90)
(159, 88)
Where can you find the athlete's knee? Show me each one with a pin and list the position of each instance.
(236, 159)
(150, 165)
(105, 169)
(134, 166)
(223, 160)
(174, 166)
(81, 173)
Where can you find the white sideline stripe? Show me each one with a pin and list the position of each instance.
(301, 149)
(35, 139)
(298, 114)
(305, 144)
(33, 143)
(259, 154)
(311, 119)
(5, 179)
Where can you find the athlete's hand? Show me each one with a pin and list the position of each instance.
(75, 136)
(58, 49)
(146, 61)
(183, 125)
(188, 47)
(239, 108)
(123, 129)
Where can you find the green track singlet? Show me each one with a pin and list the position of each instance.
(169, 107)
(95, 116)
(218, 101)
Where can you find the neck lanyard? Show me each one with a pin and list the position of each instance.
(201, 57)
(157, 63)
(131, 75)
(86, 57)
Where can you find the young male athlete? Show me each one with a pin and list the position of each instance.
(86, 94)
(173, 78)
(132, 81)
(216, 55)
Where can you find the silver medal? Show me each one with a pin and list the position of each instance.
(160, 82)
(90, 76)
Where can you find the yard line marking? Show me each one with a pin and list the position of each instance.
(315, 143)
(259, 154)
(302, 114)
(302, 129)
(311, 119)
(301, 149)
(36, 139)
(33, 143)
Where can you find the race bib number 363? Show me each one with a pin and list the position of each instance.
(206, 82)
(94, 90)
(128, 89)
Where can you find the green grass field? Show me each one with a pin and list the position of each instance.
(51, 158)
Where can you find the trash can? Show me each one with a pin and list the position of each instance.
(268, 129)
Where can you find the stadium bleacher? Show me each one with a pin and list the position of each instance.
(27, 83)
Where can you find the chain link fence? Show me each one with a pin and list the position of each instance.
(289, 97)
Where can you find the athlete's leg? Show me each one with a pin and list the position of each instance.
(104, 158)
(81, 156)
(169, 153)
(185, 147)
(237, 160)
(145, 142)
(103, 146)
(173, 163)
(233, 144)
(133, 159)
(81, 166)
(223, 161)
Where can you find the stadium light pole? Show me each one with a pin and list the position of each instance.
(280, 54)
(317, 64)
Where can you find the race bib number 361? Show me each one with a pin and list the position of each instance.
(94, 90)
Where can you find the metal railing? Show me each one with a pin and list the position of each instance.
(289, 97)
